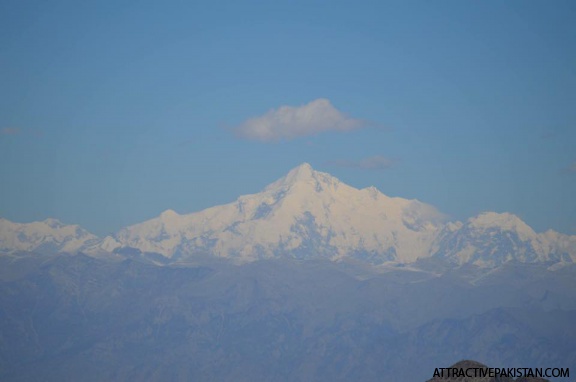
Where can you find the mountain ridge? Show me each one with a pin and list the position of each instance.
(311, 214)
(49, 235)
(304, 210)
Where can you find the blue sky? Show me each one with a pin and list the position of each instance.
(113, 111)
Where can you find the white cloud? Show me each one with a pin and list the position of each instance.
(376, 162)
(289, 122)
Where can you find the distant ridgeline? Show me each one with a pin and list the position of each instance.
(82, 318)
(309, 215)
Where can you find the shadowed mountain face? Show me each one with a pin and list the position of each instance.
(79, 318)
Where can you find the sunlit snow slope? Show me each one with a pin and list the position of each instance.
(304, 214)
(310, 214)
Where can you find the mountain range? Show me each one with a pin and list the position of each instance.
(390, 290)
(81, 318)
(309, 214)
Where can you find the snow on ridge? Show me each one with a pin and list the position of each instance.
(304, 173)
(305, 210)
(311, 213)
(505, 221)
(491, 239)
(51, 235)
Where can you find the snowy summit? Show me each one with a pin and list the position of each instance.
(309, 214)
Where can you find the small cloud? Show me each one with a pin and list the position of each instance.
(289, 122)
(572, 167)
(9, 131)
(377, 162)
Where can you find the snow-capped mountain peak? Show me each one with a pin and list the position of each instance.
(170, 217)
(168, 214)
(48, 236)
(492, 239)
(505, 221)
(53, 223)
(306, 213)
(301, 172)
(304, 177)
